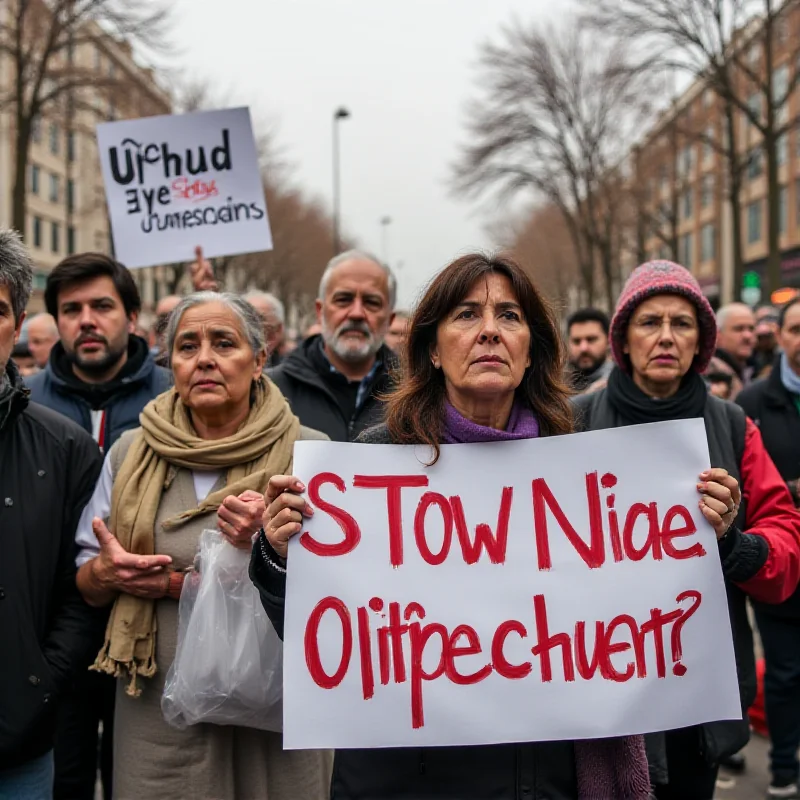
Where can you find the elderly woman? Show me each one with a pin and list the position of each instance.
(482, 363)
(662, 336)
(202, 459)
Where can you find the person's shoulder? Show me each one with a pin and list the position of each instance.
(310, 435)
(377, 434)
(751, 395)
(36, 380)
(55, 425)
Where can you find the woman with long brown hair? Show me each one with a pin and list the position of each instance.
(483, 363)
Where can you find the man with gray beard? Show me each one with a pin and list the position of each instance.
(334, 380)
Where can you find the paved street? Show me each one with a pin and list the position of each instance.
(752, 784)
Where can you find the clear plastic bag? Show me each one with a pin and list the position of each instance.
(228, 667)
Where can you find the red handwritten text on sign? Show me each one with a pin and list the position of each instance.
(662, 530)
(409, 634)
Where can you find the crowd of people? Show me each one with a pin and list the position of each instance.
(125, 434)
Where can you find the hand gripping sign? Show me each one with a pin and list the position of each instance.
(559, 588)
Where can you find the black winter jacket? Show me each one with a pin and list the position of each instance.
(122, 398)
(48, 469)
(307, 388)
(523, 771)
(772, 407)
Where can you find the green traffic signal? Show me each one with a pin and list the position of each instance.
(751, 280)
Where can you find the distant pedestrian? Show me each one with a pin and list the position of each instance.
(774, 405)
(736, 325)
(335, 381)
(42, 335)
(48, 469)
(587, 348)
(274, 316)
(398, 332)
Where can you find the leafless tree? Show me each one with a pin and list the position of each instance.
(557, 113)
(40, 39)
(733, 46)
(540, 241)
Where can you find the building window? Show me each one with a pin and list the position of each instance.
(755, 163)
(54, 236)
(685, 250)
(708, 242)
(35, 178)
(754, 105)
(780, 84)
(71, 146)
(37, 232)
(54, 139)
(36, 129)
(708, 146)
(70, 195)
(687, 204)
(70, 240)
(754, 222)
(782, 149)
(707, 191)
(55, 186)
(783, 210)
(687, 160)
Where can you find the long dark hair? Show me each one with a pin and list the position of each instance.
(415, 408)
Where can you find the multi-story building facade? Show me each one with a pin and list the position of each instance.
(681, 173)
(66, 207)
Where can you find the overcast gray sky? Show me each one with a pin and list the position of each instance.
(403, 68)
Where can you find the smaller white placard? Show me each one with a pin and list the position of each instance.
(178, 181)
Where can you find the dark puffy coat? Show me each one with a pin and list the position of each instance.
(760, 555)
(122, 399)
(48, 469)
(773, 409)
(306, 388)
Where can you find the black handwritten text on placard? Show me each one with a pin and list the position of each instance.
(133, 163)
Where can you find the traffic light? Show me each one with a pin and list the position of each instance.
(751, 280)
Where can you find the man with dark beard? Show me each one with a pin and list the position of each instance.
(334, 380)
(587, 343)
(101, 376)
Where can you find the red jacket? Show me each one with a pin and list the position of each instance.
(770, 513)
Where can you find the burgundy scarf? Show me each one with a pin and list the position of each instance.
(606, 768)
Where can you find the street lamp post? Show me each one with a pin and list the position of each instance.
(385, 223)
(340, 114)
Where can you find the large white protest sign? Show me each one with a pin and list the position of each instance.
(176, 182)
(559, 588)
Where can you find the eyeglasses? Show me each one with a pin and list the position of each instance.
(680, 326)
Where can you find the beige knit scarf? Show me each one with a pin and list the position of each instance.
(261, 448)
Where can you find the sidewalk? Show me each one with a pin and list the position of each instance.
(751, 784)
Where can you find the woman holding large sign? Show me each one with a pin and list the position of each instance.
(663, 335)
(483, 363)
(201, 460)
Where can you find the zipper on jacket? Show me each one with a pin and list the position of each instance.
(422, 761)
